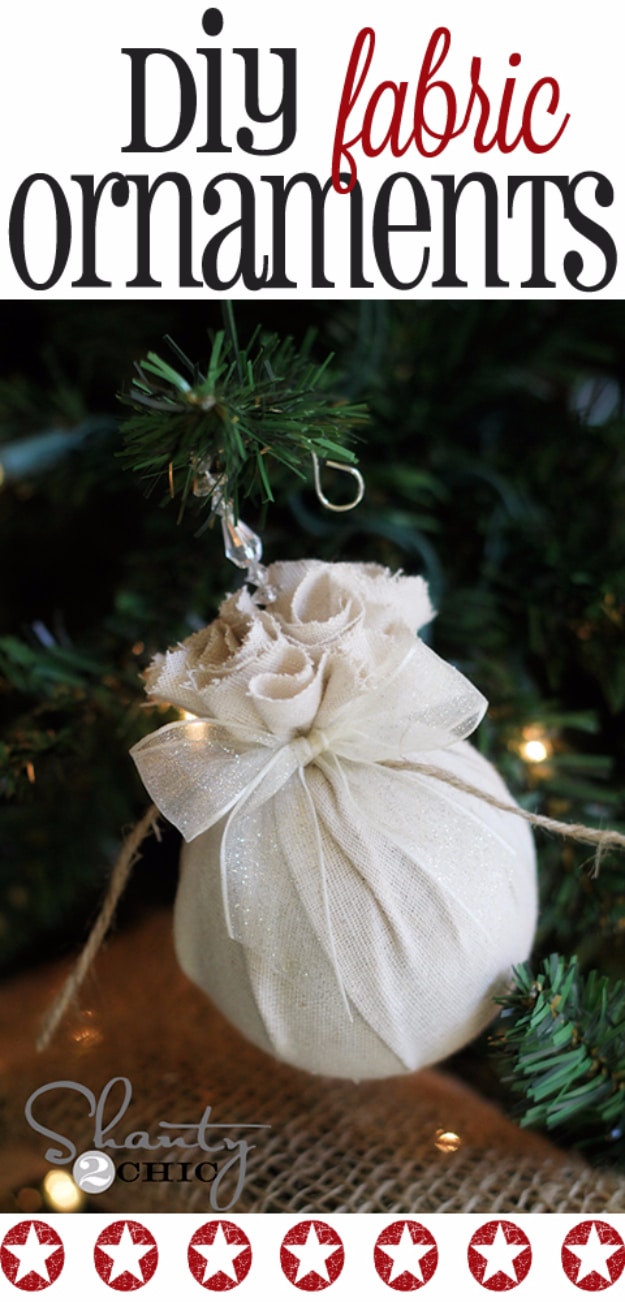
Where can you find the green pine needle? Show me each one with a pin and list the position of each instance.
(562, 1038)
(248, 408)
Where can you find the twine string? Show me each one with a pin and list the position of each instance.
(119, 878)
(602, 838)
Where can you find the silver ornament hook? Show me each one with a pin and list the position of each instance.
(346, 470)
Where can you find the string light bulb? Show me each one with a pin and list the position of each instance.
(447, 1141)
(536, 746)
(61, 1192)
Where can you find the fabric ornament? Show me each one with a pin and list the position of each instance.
(350, 913)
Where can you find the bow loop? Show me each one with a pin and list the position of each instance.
(423, 704)
(197, 770)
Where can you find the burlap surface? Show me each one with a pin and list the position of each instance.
(332, 1146)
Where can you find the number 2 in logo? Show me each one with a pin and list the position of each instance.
(94, 1172)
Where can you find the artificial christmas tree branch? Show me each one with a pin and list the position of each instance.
(246, 408)
(563, 1038)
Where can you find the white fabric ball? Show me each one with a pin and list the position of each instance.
(348, 912)
(434, 929)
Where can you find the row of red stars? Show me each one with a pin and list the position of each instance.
(312, 1255)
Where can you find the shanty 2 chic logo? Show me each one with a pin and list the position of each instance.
(222, 1168)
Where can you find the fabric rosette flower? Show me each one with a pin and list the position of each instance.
(349, 912)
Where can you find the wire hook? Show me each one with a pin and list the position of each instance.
(347, 470)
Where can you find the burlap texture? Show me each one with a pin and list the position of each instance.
(332, 1147)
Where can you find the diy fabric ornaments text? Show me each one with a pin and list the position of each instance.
(411, 232)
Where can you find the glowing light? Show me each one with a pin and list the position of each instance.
(61, 1193)
(186, 714)
(447, 1141)
(86, 1037)
(536, 752)
(536, 746)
